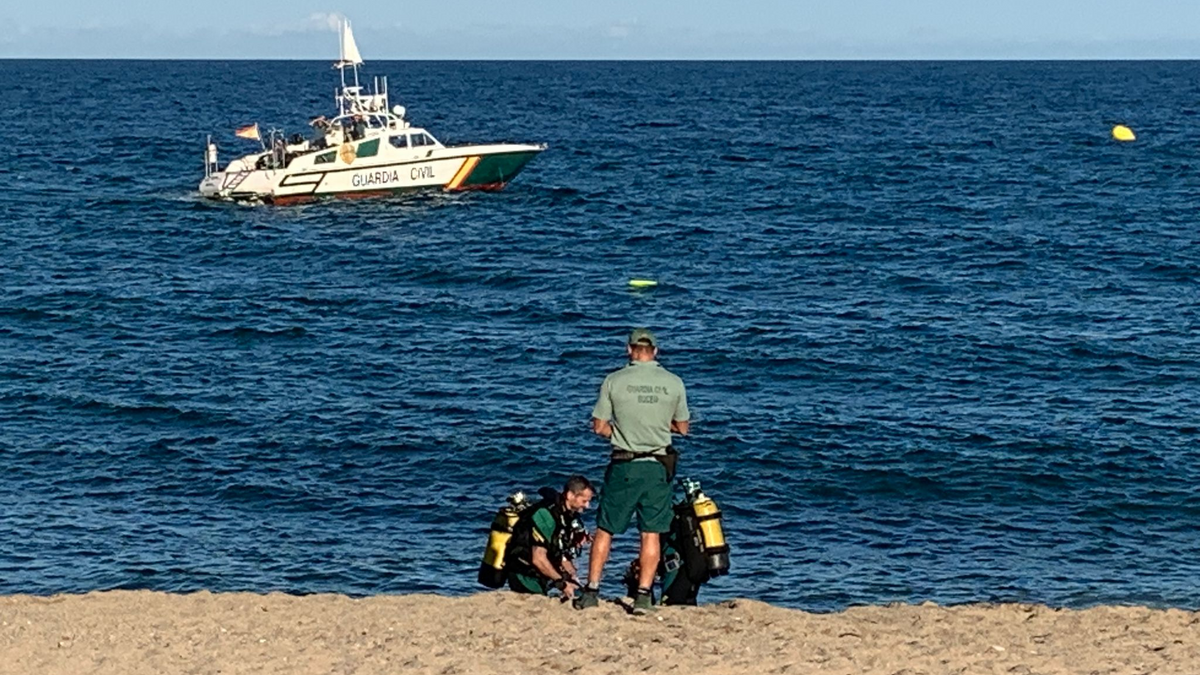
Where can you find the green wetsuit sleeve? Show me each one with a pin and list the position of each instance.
(543, 528)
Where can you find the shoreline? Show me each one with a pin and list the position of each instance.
(144, 632)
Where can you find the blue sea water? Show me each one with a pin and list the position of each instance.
(941, 334)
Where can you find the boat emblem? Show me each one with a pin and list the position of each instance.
(347, 153)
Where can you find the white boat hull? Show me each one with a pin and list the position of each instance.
(481, 167)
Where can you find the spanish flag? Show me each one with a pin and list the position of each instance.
(250, 132)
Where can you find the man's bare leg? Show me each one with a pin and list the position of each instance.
(647, 558)
(598, 556)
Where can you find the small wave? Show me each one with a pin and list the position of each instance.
(1008, 263)
(913, 284)
(978, 438)
(30, 314)
(136, 411)
(274, 496)
(1186, 273)
(504, 279)
(249, 333)
(780, 207)
(320, 302)
(656, 125)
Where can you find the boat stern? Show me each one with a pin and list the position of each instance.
(238, 182)
(210, 187)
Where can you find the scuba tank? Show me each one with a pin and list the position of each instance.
(491, 570)
(693, 552)
(708, 529)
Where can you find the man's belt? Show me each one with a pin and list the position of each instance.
(627, 456)
(669, 460)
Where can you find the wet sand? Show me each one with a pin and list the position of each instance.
(144, 633)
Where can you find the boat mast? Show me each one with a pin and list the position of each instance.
(348, 56)
(355, 59)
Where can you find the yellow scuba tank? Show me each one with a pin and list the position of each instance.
(491, 570)
(712, 537)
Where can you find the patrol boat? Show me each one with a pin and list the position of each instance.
(367, 149)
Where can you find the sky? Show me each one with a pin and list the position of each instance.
(606, 29)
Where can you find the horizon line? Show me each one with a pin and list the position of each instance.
(682, 59)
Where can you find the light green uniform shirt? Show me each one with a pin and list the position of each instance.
(641, 400)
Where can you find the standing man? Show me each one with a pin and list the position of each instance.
(639, 406)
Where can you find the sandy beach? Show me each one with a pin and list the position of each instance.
(142, 632)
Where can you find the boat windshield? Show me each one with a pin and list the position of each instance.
(368, 120)
(420, 139)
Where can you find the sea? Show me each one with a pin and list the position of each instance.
(940, 331)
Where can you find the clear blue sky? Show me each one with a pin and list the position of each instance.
(607, 29)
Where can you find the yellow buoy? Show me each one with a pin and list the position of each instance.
(1123, 133)
(642, 283)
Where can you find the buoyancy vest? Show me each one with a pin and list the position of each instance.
(564, 541)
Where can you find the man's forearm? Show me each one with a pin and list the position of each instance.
(568, 569)
(602, 427)
(542, 562)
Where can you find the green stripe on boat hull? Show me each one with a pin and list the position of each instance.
(493, 171)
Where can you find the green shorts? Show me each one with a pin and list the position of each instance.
(639, 486)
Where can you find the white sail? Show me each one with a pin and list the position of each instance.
(350, 55)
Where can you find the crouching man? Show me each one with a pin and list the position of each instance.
(546, 540)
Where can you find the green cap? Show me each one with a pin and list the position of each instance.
(641, 336)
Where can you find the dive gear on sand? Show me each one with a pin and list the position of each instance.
(688, 560)
(708, 521)
(491, 570)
